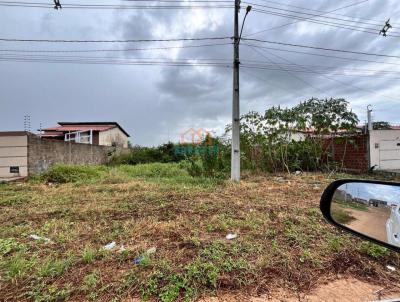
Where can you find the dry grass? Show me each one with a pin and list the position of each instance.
(283, 241)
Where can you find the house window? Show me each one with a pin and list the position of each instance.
(14, 169)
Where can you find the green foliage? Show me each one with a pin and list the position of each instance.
(53, 267)
(268, 141)
(18, 266)
(62, 173)
(374, 250)
(142, 155)
(381, 125)
(10, 245)
(213, 160)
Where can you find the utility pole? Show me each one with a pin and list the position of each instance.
(235, 154)
(369, 118)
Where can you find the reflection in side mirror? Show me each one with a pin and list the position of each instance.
(370, 209)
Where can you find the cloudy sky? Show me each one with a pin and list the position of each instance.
(156, 103)
(373, 191)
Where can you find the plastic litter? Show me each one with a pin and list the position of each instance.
(139, 260)
(110, 246)
(151, 250)
(390, 268)
(231, 236)
(297, 173)
(36, 237)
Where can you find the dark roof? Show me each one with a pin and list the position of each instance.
(13, 133)
(86, 125)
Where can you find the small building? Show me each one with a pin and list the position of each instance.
(24, 154)
(93, 133)
(384, 149)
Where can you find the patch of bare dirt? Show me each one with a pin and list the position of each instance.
(341, 290)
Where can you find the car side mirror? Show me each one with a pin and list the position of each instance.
(368, 209)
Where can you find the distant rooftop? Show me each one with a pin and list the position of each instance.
(83, 126)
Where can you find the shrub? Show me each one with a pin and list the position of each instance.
(141, 155)
(62, 173)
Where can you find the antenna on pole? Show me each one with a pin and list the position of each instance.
(27, 123)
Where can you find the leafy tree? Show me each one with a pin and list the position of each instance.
(381, 125)
(272, 133)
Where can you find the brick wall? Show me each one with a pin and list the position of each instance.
(353, 153)
(43, 153)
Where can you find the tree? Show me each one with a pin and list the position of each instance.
(272, 132)
(381, 125)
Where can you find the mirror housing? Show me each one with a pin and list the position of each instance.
(366, 208)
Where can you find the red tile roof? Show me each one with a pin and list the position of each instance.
(84, 126)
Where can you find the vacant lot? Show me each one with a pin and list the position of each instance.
(283, 243)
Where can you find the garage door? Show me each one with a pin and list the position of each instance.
(13, 155)
(389, 154)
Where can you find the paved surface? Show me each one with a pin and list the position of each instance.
(10, 179)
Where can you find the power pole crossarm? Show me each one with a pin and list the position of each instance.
(235, 154)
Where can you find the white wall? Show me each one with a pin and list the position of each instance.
(384, 152)
(106, 138)
(13, 152)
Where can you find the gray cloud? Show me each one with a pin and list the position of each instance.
(155, 103)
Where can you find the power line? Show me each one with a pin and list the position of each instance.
(376, 22)
(313, 15)
(333, 79)
(368, 30)
(247, 63)
(322, 48)
(112, 41)
(322, 55)
(115, 62)
(113, 6)
(290, 23)
(287, 71)
(111, 50)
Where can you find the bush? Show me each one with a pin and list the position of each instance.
(154, 170)
(143, 155)
(62, 173)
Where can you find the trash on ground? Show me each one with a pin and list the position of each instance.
(36, 237)
(110, 246)
(231, 236)
(139, 260)
(151, 250)
(391, 268)
(297, 173)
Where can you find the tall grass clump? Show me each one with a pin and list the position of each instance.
(62, 173)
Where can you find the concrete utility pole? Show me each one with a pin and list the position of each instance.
(235, 154)
(369, 118)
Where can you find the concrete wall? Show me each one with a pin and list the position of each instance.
(384, 149)
(43, 153)
(107, 138)
(13, 153)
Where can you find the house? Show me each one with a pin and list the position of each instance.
(377, 203)
(94, 133)
(24, 154)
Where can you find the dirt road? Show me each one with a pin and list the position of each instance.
(371, 222)
(341, 290)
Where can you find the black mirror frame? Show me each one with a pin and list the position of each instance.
(325, 206)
